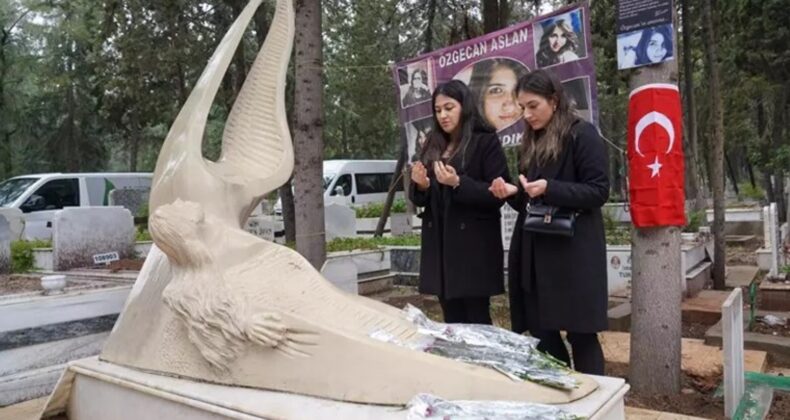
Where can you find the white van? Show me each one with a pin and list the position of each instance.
(39, 196)
(355, 183)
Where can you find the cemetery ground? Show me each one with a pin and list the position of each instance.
(702, 371)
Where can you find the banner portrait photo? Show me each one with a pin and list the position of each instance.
(492, 64)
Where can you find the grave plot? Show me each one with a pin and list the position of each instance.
(41, 330)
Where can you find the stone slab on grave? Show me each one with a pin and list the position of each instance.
(732, 321)
(261, 226)
(16, 221)
(740, 275)
(339, 221)
(92, 389)
(777, 346)
(620, 317)
(705, 308)
(773, 296)
(697, 358)
(78, 233)
(133, 199)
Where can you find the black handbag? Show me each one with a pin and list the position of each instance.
(549, 220)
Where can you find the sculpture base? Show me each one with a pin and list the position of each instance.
(90, 389)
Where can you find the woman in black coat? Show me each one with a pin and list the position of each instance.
(461, 257)
(558, 282)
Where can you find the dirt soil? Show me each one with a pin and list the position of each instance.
(126, 264)
(696, 397)
(13, 284)
(743, 253)
(776, 330)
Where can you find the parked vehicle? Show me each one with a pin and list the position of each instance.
(39, 196)
(356, 183)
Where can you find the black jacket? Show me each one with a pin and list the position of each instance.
(461, 253)
(569, 288)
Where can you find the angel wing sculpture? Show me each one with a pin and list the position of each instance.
(217, 304)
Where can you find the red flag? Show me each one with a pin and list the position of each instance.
(655, 156)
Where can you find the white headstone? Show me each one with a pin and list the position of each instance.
(79, 233)
(134, 199)
(339, 222)
(261, 226)
(766, 227)
(400, 224)
(342, 272)
(5, 246)
(732, 331)
(16, 221)
(774, 235)
(618, 268)
(508, 224)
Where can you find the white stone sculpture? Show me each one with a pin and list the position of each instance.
(217, 304)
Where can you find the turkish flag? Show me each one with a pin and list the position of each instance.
(655, 156)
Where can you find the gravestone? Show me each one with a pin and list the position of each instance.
(732, 324)
(261, 226)
(16, 221)
(400, 224)
(79, 233)
(133, 199)
(342, 272)
(508, 224)
(339, 222)
(5, 246)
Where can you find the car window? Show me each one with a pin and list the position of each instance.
(370, 183)
(11, 189)
(388, 182)
(345, 182)
(55, 195)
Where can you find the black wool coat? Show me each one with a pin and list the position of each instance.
(556, 282)
(461, 252)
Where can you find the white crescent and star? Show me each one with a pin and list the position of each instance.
(654, 117)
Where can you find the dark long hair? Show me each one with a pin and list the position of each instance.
(437, 139)
(545, 56)
(546, 144)
(641, 47)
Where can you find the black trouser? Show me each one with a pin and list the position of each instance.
(587, 352)
(466, 310)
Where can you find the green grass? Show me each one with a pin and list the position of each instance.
(376, 209)
(22, 259)
(348, 244)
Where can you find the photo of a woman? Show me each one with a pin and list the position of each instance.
(493, 86)
(560, 40)
(416, 90)
(655, 45)
(645, 47)
(461, 257)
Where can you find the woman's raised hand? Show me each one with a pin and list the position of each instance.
(446, 174)
(502, 189)
(420, 176)
(534, 188)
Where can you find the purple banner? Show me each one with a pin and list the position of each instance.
(491, 64)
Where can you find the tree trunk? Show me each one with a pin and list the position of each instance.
(287, 201)
(504, 13)
(656, 286)
(490, 15)
(777, 137)
(396, 178)
(308, 140)
(717, 149)
(695, 168)
(429, 27)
